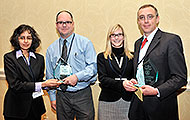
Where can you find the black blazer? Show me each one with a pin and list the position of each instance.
(111, 89)
(166, 53)
(21, 83)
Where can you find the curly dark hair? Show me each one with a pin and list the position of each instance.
(19, 30)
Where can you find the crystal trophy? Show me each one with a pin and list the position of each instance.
(150, 72)
(62, 70)
(57, 70)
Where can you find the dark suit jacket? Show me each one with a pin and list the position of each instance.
(166, 53)
(111, 89)
(21, 83)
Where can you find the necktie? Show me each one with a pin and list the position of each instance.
(143, 43)
(64, 56)
(64, 50)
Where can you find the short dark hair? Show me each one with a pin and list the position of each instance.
(64, 11)
(19, 30)
(149, 5)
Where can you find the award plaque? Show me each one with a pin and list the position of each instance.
(150, 72)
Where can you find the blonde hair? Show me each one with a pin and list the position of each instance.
(108, 50)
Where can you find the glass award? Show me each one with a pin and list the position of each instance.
(150, 72)
(61, 70)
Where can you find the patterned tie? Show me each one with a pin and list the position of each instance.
(64, 50)
(143, 43)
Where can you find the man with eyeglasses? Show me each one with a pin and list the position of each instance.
(160, 70)
(74, 97)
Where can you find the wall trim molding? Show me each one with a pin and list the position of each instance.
(2, 75)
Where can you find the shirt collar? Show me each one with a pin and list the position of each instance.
(19, 54)
(150, 37)
(68, 39)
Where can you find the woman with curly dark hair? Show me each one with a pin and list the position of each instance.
(24, 71)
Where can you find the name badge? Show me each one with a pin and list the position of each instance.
(65, 70)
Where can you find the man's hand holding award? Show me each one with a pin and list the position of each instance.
(129, 85)
(147, 76)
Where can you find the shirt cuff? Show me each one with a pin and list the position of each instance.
(158, 95)
(79, 75)
(38, 86)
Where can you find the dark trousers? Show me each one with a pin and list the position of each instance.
(31, 116)
(75, 104)
(153, 109)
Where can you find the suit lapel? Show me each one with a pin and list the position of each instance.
(154, 42)
(115, 65)
(124, 64)
(33, 62)
(24, 65)
(152, 45)
(137, 50)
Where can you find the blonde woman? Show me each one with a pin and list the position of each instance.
(115, 65)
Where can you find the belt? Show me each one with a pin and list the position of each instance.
(74, 91)
(120, 78)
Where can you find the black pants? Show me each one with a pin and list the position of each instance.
(75, 104)
(31, 116)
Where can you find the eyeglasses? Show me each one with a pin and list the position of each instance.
(64, 22)
(118, 35)
(24, 38)
(149, 17)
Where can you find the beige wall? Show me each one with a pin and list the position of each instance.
(92, 19)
